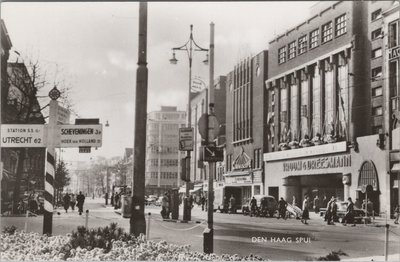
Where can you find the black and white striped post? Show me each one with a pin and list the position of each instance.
(54, 94)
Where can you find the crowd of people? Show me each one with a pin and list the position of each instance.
(70, 201)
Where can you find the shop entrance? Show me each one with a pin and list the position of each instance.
(324, 185)
(368, 186)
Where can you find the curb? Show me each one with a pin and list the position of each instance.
(181, 221)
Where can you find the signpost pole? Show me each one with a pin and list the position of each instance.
(208, 245)
(50, 171)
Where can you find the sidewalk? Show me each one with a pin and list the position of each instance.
(393, 257)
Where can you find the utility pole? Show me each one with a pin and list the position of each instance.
(208, 245)
(137, 221)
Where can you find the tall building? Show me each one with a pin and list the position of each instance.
(162, 150)
(390, 137)
(245, 134)
(324, 87)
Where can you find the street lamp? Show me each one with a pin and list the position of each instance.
(189, 47)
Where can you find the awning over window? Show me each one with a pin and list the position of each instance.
(396, 168)
(237, 173)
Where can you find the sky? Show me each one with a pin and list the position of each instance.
(92, 47)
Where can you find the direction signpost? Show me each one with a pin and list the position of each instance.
(58, 133)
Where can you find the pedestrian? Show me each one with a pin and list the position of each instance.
(253, 206)
(106, 198)
(66, 201)
(112, 199)
(358, 204)
(72, 202)
(396, 214)
(328, 213)
(364, 206)
(316, 204)
(80, 199)
(116, 201)
(349, 216)
(370, 209)
(191, 201)
(324, 201)
(226, 204)
(334, 211)
(305, 215)
(232, 203)
(282, 204)
(164, 206)
(203, 202)
(294, 201)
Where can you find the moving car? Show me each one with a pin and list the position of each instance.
(150, 200)
(270, 203)
(341, 212)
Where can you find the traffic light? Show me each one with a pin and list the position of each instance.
(185, 169)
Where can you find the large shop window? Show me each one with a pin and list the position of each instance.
(329, 110)
(316, 97)
(368, 176)
(393, 34)
(283, 113)
(294, 110)
(343, 94)
(304, 121)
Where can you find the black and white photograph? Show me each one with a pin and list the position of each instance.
(200, 130)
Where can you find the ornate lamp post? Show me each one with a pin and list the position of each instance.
(189, 47)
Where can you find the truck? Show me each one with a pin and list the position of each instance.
(227, 191)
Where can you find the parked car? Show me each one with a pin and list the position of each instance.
(341, 212)
(151, 200)
(269, 202)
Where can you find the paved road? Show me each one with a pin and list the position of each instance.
(237, 234)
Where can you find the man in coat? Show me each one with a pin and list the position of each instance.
(80, 199)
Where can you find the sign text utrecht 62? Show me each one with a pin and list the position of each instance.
(22, 135)
(79, 136)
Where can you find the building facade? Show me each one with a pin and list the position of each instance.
(325, 110)
(245, 133)
(162, 150)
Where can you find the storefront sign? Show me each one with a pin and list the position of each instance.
(238, 180)
(394, 52)
(318, 163)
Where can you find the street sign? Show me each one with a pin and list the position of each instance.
(186, 139)
(79, 136)
(63, 115)
(22, 135)
(212, 154)
(212, 127)
(84, 149)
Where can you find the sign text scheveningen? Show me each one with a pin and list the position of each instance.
(318, 163)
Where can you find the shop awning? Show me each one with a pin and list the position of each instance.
(196, 189)
(396, 167)
(238, 173)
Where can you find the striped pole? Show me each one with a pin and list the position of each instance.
(49, 193)
(50, 170)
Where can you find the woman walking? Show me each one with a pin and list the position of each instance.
(66, 200)
(305, 216)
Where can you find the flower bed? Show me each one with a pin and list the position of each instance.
(33, 246)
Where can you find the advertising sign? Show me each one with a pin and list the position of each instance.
(79, 136)
(63, 115)
(22, 135)
(186, 139)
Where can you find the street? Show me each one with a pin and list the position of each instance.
(266, 237)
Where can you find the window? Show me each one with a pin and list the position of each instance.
(376, 53)
(393, 34)
(376, 73)
(377, 111)
(377, 91)
(316, 100)
(376, 15)
(314, 35)
(327, 32)
(302, 44)
(294, 110)
(340, 25)
(376, 34)
(292, 50)
(377, 130)
(282, 55)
